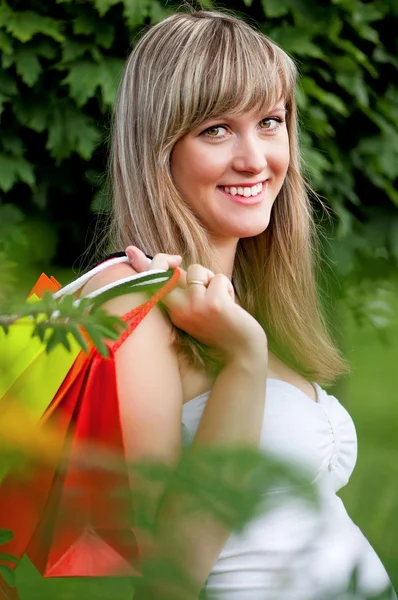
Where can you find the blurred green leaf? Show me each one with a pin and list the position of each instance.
(8, 574)
(275, 8)
(13, 169)
(23, 25)
(86, 24)
(70, 130)
(5, 536)
(27, 66)
(85, 77)
(328, 99)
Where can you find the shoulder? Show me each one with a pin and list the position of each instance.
(120, 305)
(148, 376)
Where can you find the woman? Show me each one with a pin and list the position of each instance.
(206, 168)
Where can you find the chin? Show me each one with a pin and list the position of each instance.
(256, 227)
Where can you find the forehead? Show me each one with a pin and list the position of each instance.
(253, 93)
(233, 73)
(256, 113)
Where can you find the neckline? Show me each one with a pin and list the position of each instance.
(317, 388)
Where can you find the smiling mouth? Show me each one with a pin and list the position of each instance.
(244, 192)
(244, 200)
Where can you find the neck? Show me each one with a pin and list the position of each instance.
(224, 256)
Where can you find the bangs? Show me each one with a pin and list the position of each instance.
(234, 70)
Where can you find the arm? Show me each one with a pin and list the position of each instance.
(233, 416)
(151, 399)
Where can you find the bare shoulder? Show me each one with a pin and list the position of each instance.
(148, 377)
(127, 302)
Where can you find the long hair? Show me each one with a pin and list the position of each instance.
(187, 69)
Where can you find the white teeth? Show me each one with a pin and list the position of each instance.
(244, 191)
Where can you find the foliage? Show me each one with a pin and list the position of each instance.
(60, 69)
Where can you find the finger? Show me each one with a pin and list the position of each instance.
(142, 263)
(198, 273)
(220, 285)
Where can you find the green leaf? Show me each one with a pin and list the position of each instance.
(69, 130)
(23, 25)
(32, 114)
(316, 164)
(158, 12)
(275, 8)
(27, 66)
(10, 558)
(73, 49)
(83, 80)
(381, 55)
(296, 40)
(44, 47)
(103, 31)
(85, 77)
(96, 338)
(78, 336)
(354, 85)
(13, 169)
(13, 145)
(57, 337)
(327, 98)
(8, 574)
(103, 6)
(5, 43)
(6, 535)
(359, 57)
(8, 85)
(136, 11)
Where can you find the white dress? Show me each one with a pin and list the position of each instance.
(292, 551)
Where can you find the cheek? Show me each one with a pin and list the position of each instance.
(281, 159)
(193, 165)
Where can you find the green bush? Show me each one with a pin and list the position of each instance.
(61, 62)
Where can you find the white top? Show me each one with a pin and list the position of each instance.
(293, 551)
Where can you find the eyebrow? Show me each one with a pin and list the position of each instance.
(232, 116)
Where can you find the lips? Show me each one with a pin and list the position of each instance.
(244, 199)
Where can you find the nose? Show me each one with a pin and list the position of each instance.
(250, 155)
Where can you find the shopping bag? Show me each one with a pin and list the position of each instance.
(69, 517)
(29, 376)
(25, 365)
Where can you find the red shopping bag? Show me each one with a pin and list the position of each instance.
(68, 516)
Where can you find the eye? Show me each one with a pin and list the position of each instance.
(214, 130)
(271, 123)
(220, 131)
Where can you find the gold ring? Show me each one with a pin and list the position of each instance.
(196, 281)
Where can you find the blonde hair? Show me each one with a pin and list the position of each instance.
(188, 68)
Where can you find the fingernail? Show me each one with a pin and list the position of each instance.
(130, 255)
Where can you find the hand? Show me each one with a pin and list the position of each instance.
(206, 312)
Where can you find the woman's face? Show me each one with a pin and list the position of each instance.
(231, 169)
